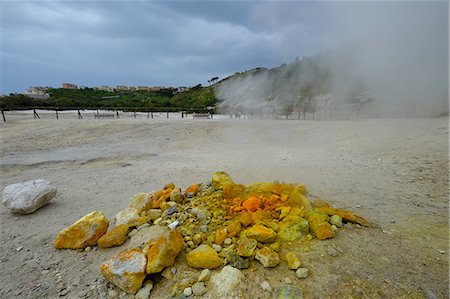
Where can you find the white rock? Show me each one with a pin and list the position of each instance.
(302, 272)
(146, 235)
(187, 292)
(126, 215)
(204, 275)
(222, 284)
(27, 197)
(144, 292)
(266, 286)
(132, 233)
(198, 289)
(216, 247)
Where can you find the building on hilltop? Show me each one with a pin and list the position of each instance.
(37, 92)
(121, 87)
(69, 86)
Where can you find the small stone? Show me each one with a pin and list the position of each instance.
(167, 274)
(204, 229)
(115, 237)
(204, 275)
(144, 293)
(203, 257)
(332, 251)
(220, 236)
(126, 215)
(83, 233)
(441, 251)
(133, 232)
(139, 201)
(126, 270)
(158, 221)
(336, 220)
(19, 248)
(146, 236)
(187, 292)
(200, 214)
(261, 233)
(301, 272)
(199, 289)
(267, 257)
(220, 180)
(266, 286)
(154, 214)
(227, 241)
(246, 246)
(112, 294)
(293, 261)
(216, 247)
(197, 238)
(175, 196)
(164, 251)
(87, 249)
(27, 197)
(334, 228)
(237, 261)
(288, 280)
(222, 284)
(173, 209)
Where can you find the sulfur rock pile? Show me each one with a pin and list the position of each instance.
(217, 224)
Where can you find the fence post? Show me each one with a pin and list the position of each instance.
(3, 114)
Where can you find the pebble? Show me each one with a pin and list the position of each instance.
(204, 229)
(332, 252)
(204, 275)
(288, 280)
(301, 272)
(441, 251)
(187, 292)
(336, 220)
(266, 286)
(87, 249)
(158, 221)
(216, 247)
(19, 248)
(227, 241)
(133, 232)
(334, 228)
(199, 289)
(112, 294)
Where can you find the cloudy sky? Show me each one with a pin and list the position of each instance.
(171, 43)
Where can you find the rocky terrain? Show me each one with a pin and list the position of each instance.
(392, 172)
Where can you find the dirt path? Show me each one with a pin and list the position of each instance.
(393, 172)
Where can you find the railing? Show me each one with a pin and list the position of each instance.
(150, 111)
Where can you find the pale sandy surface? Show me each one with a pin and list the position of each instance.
(393, 172)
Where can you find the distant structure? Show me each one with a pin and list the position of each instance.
(69, 86)
(121, 87)
(37, 92)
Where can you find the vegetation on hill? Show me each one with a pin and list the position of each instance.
(194, 98)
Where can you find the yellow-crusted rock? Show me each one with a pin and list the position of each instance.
(221, 179)
(83, 233)
(261, 233)
(246, 246)
(293, 261)
(115, 237)
(139, 201)
(124, 216)
(297, 199)
(267, 257)
(164, 251)
(203, 257)
(292, 228)
(319, 226)
(126, 270)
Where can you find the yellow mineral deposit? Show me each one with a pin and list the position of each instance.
(242, 223)
(83, 233)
